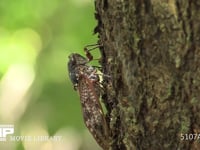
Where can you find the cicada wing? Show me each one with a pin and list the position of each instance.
(93, 115)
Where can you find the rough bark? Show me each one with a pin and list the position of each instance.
(151, 51)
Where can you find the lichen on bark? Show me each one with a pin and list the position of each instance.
(151, 53)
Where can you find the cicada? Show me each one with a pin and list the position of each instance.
(86, 81)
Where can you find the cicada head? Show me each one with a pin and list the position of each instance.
(74, 64)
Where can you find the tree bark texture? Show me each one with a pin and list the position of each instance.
(151, 51)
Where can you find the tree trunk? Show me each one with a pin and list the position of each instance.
(151, 51)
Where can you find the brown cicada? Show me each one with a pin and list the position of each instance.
(86, 81)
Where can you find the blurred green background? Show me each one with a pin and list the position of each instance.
(36, 96)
